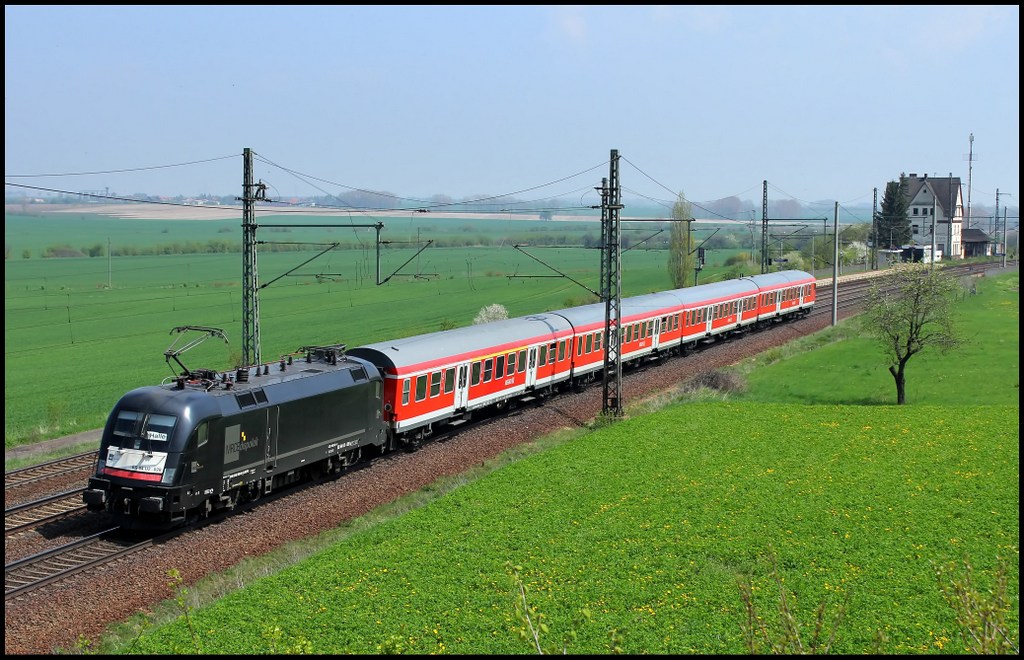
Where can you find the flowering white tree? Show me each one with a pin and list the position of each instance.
(491, 313)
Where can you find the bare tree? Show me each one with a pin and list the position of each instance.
(910, 309)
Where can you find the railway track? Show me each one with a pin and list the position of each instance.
(39, 512)
(30, 573)
(49, 469)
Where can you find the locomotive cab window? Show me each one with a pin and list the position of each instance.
(139, 431)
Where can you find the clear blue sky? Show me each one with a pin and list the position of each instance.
(825, 103)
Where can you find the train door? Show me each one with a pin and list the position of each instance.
(462, 386)
(272, 418)
(656, 337)
(531, 368)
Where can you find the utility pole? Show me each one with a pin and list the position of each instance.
(949, 227)
(1003, 260)
(764, 227)
(611, 290)
(835, 268)
(995, 224)
(250, 281)
(970, 162)
(995, 218)
(874, 230)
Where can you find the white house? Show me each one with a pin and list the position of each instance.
(936, 204)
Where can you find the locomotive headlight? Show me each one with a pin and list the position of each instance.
(169, 474)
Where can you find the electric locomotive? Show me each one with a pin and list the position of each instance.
(208, 441)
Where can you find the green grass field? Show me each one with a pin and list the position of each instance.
(79, 332)
(653, 523)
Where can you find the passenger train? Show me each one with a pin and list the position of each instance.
(208, 441)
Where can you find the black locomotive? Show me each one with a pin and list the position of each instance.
(209, 441)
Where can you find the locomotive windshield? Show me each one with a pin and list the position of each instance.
(136, 430)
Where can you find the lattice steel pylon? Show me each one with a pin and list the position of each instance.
(611, 288)
(250, 280)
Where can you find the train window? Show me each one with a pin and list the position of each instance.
(543, 355)
(590, 344)
(405, 391)
(597, 341)
(158, 431)
(522, 361)
(476, 373)
(359, 374)
(260, 396)
(579, 346)
(551, 353)
(511, 364)
(435, 383)
(449, 380)
(126, 423)
(650, 328)
(499, 366)
(421, 387)
(561, 350)
(488, 369)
